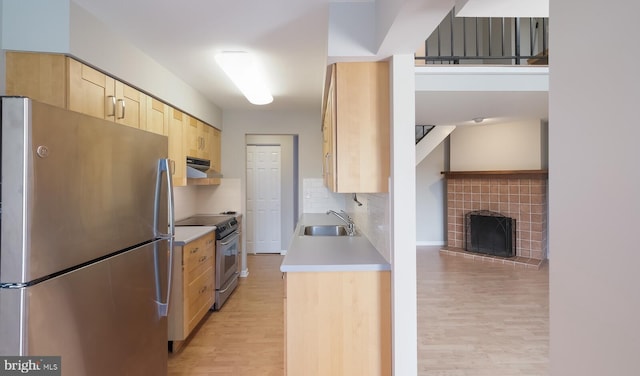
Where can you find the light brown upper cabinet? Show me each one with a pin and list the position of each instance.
(94, 93)
(193, 142)
(39, 76)
(206, 138)
(216, 151)
(157, 117)
(201, 141)
(355, 127)
(177, 147)
(64, 82)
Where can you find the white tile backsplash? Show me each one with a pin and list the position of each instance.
(371, 219)
(319, 199)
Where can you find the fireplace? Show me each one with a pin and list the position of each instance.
(520, 195)
(490, 233)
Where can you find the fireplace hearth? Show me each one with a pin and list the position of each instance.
(490, 233)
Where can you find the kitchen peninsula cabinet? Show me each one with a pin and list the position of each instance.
(193, 292)
(355, 127)
(338, 323)
(337, 304)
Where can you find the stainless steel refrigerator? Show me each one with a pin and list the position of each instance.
(86, 239)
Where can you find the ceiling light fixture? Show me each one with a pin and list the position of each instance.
(478, 120)
(245, 74)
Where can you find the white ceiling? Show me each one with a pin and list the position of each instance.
(289, 37)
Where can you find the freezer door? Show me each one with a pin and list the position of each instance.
(75, 188)
(101, 319)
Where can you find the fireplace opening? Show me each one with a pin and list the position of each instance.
(490, 233)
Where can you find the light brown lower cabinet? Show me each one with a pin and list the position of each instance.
(338, 323)
(193, 288)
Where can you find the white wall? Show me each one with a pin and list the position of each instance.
(46, 29)
(594, 181)
(305, 124)
(61, 26)
(402, 216)
(430, 198)
(503, 146)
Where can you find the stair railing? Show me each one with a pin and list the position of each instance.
(486, 40)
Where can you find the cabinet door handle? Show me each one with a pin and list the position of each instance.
(111, 102)
(122, 107)
(195, 250)
(203, 258)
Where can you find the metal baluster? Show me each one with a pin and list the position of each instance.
(451, 33)
(544, 35)
(490, 37)
(477, 50)
(517, 27)
(502, 41)
(530, 36)
(464, 36)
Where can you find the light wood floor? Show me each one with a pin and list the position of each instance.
(473, 319)
(244, 338)
(480, 319)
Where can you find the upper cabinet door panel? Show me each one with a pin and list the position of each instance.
(131, 106)
(157, 117)
(90, 92)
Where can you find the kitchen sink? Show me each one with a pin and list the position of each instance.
(324, 230)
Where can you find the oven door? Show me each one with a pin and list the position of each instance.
(226, 258)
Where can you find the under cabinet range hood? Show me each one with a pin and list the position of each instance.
(198, 168)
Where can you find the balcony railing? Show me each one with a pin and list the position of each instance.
(482, 40)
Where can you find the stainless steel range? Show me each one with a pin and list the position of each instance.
(227, 247)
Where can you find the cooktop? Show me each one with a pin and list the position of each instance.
(205, 220)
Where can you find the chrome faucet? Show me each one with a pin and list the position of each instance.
(351, 227)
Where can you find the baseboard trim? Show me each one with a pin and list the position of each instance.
(431, 243)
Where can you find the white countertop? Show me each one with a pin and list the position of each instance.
(186, 234)
(330, 253)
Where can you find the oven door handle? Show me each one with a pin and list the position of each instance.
(234, 236)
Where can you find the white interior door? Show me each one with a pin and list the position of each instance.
(263, 199)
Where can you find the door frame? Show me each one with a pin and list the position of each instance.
(289, 179)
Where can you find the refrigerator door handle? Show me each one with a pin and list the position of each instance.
(164, 169)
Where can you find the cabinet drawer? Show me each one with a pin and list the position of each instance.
(198, 255)
(200, 294)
